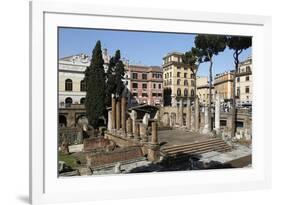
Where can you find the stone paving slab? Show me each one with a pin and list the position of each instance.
(179, 137)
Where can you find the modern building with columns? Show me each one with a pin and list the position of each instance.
(178, 77)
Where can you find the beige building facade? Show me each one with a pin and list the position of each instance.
(223, 85)
(203, 90)
(244, 82)
(178, 77)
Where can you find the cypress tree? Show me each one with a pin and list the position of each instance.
(110, 82)
(119, 73)
(95, 86)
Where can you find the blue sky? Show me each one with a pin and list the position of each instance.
(146, 48)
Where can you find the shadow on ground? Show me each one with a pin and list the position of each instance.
(181, 162)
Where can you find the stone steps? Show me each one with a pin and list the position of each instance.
(197, 147)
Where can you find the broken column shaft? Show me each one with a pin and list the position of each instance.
(154, 134)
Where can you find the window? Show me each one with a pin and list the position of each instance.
(192, 93)
(185, 92)
(82, 85)
(179, 67)
(82, 101)
(247, 78)
(135, 85)
(248, 69)
(185, 75)
(159, 86)
(185, 82)
(68, 102)
(238, 79)
(179, 92)
(159, 94)
(154, 94)
(192, 83)
(68, 85)
(144, 85)
(135, 94)
(178, 81)
(135, 76)
(247, 89)
(144, 94)
(238, 91)
(154, 85)
(144, 76)
(178, 74)
(191, 75)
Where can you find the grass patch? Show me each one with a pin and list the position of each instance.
(68, 159)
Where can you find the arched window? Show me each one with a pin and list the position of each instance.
(192, 93)
(179, 92)
(82, 101)
(68, 85)
(62, 121)
(178, 82)
(185, 82)
(82, 85)
(185, 92)
(68, 102)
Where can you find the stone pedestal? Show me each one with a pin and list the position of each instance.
(113, 112)
(123, 114)
(118, 115)
(153, 152)
(188, 115)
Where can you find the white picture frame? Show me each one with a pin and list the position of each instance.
(46, 187)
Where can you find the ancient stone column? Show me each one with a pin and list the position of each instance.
(181, 113)
(188, 114)
(136, 131)
(113, 112)
(129, 127)
(143, 132)
(154, 134)
(206, 128)
(123, 114)
(217, 113)
(118, 114)
(196, 113)
(133, 116)
(109, 121)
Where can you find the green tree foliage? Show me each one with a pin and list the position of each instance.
(110, 82)
(237, 44)
(115, 75)
(95, 86)
(210, 45)
(119, 73)
(167, 98)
